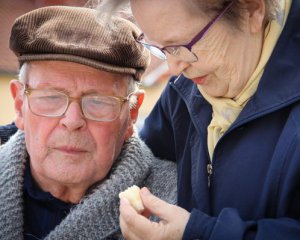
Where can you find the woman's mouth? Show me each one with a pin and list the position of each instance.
(199, 80)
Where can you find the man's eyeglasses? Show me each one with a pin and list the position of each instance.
(53, 103)
(182, 52)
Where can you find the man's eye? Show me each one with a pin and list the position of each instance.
(51, 98)
(100, 102)
(95, 101)
(48, 99)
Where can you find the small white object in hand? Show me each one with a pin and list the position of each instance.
(133, 195)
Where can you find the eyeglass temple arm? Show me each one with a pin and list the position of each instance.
(200, 34)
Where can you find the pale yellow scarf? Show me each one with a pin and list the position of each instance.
(225, 110)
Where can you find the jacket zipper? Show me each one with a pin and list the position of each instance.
(209, 172)
(209, 166)
(236, 124)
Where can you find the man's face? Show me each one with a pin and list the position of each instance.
(71, 150)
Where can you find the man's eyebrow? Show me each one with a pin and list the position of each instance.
(48, 86)
(61, 89)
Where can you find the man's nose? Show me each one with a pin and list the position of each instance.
(73, 118)
(176, 66)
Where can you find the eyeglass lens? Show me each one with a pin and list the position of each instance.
(51, 103)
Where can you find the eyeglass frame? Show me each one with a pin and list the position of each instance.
(27, 91)
(194, 40)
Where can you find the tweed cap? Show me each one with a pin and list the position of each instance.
(75, 34)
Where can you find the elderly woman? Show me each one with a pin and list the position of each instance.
(231, 119)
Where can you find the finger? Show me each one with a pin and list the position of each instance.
(125, 215)
(173, 218)
(133, 225)
(155, 205)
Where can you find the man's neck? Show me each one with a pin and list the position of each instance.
(64, 192)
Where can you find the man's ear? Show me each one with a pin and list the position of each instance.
(256, 14)
(134, 112)
(16, 91)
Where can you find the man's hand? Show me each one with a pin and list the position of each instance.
(136, 226)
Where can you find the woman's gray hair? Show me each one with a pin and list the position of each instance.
(111, 7)
(108, 8)
(234, 15)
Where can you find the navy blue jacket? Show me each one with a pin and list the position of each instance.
(254, 190)
(6, 131)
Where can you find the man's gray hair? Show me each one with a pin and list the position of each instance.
(23, 73)
(133, 86)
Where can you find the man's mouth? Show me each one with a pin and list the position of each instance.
(70, 150)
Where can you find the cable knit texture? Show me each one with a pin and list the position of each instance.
(96, 216)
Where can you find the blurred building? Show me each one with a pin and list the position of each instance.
(155, 77)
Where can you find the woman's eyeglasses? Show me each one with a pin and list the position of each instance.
(182, 52)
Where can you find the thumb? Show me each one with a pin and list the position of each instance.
(155, 205)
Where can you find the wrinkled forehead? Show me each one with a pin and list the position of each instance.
(73, 76)
(163, 21)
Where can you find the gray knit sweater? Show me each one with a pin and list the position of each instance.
(96, 216)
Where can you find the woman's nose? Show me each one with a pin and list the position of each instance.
(176, 66)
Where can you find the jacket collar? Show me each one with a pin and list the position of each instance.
(279, 85)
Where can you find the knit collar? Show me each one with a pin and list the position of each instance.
(95, 217)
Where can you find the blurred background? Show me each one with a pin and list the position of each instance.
(153, 82)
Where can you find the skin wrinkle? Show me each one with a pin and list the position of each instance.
(184, 32)
(61, 173)
(216, 45)
(229, 63)
(227, 57)
(132, 84)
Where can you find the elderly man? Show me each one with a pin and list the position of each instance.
(76, 102)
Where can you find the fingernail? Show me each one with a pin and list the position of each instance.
(145, 191)
(124, 201)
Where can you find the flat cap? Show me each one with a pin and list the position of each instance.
(75, 34)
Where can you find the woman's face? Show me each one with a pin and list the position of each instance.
(227, 56)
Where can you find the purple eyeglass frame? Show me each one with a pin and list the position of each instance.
(195, 39)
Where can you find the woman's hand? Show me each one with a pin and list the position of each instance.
(136, 226)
